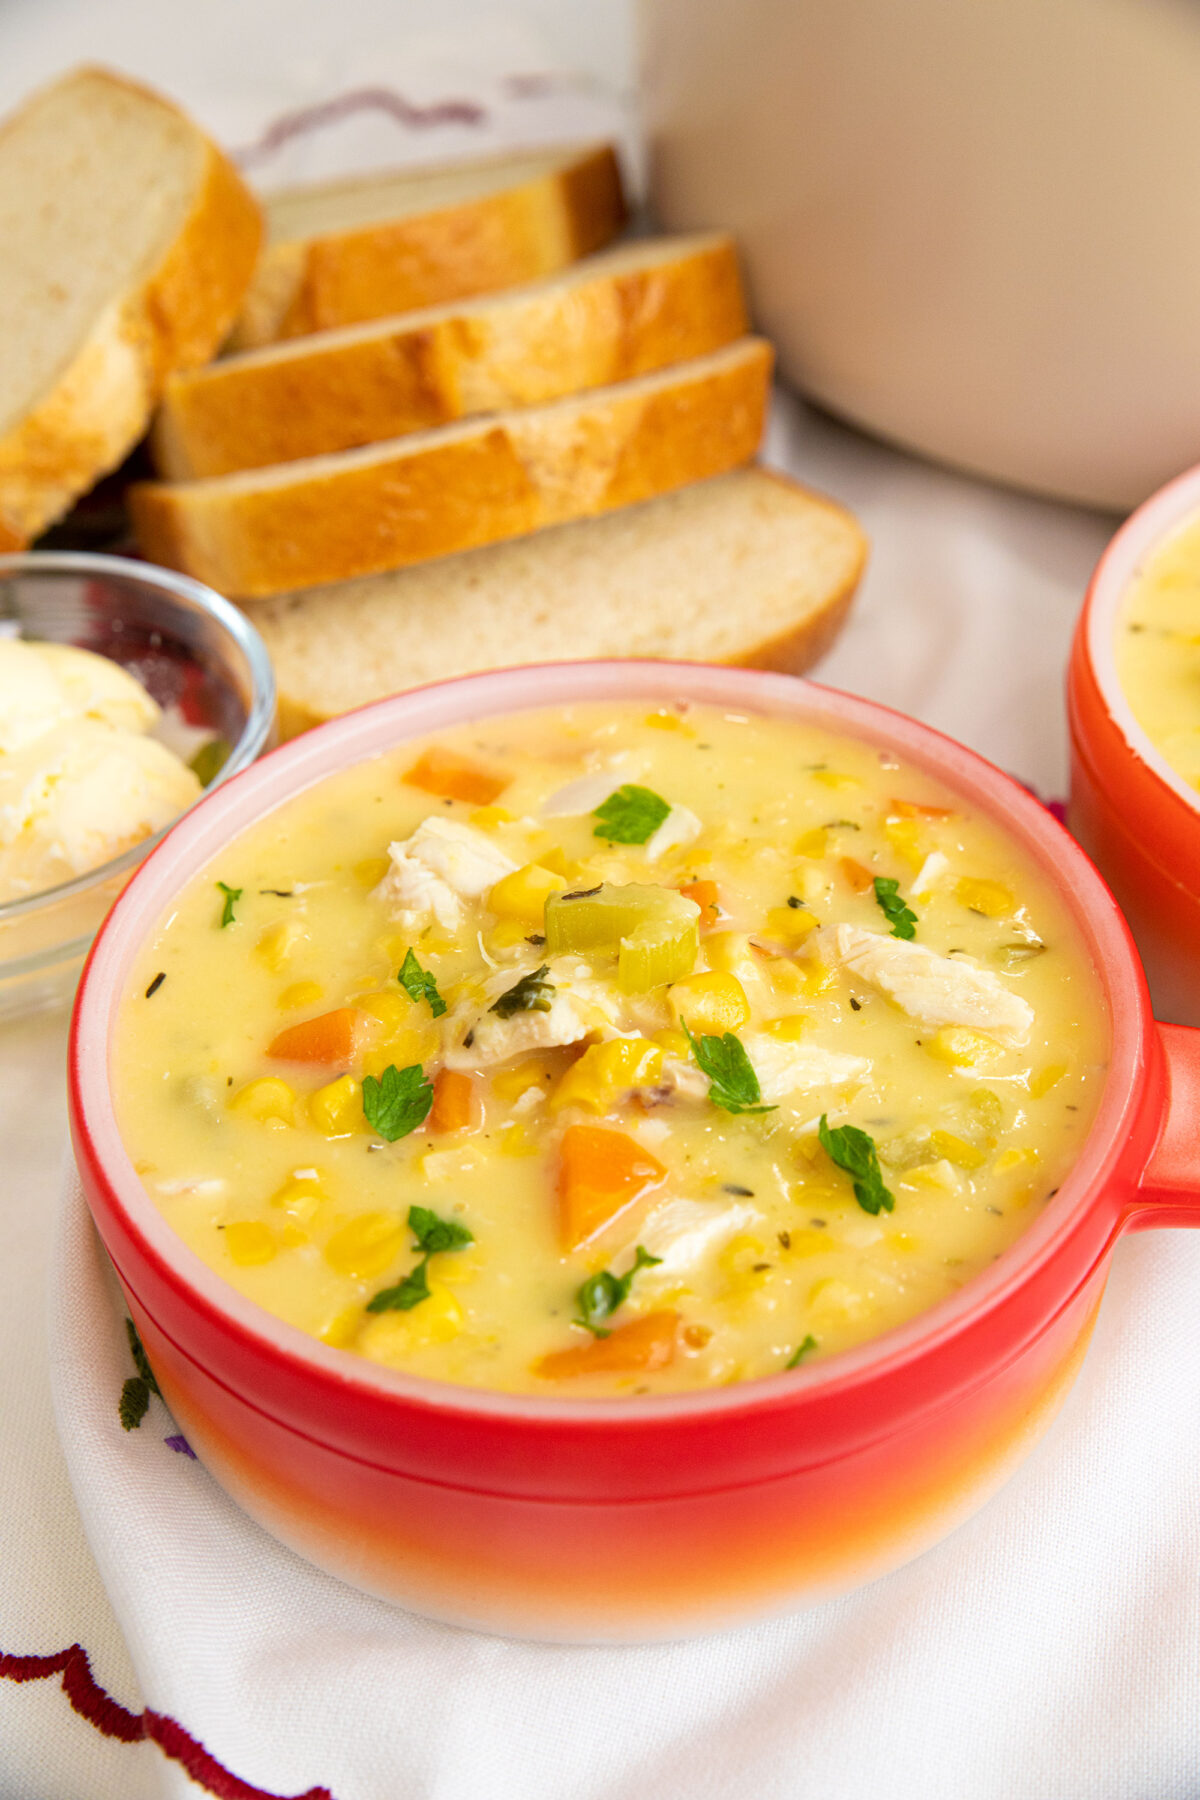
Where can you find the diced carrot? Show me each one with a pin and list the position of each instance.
(644, 1344)
(453, 777)
(600, 1173)
(331, 1037)
(453, 1106)
(916, 809)
(860, 878)
(707, 898)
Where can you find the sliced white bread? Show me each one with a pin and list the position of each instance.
(128, 241)
(344, 251)
(745, 568)
(329, 518)
(621, 313)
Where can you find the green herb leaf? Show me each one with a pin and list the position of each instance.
(405, 1294)
(434, 1235)
(419, 984)
(732, 1083)
(398, 1102)
(135, 1399)
(902, 918)
(631, 815)
(210, 759)
(601, 1294)
(533, 993)
(231, 894)
(140, 1359)
(854, 1151)
(800, 1352)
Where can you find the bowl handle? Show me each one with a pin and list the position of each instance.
(1169, 1192)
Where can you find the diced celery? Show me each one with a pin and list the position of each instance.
(653, 931)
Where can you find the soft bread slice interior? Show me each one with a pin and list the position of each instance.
(348, 205)
(96, 180)
(747, 567)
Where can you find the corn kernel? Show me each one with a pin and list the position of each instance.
(662, 720)
(819, 977)
(830, 778)
(371, 870)
(291, 1237)
(730, 952)
(811, 1243)
(401, 1050)
(789, 1029)
(510, 1084)
(341, 1329)
(389, 1007)
(740, 1254)
(963, 1048)
(365, 1246)
(813, 844)
(606, 1071)
(514, 1140)
(390, 1337)
(1018, 1157)
(301, 993)
(710, 1003)
(268, 1099)
(336, 1108)
(786, 978)
(903, 1242)
(956, 1150)
(279, 942)
(248, 1241)
(558, 862)
(832, 1303)
(991, 898)
(486, 818)
(522, 895)
(905, 837)
(673, 1043)
(1047, 1078)
(506, 933)
(790, 924)
(300, 1196)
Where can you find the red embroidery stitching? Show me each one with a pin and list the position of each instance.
(113, 1720)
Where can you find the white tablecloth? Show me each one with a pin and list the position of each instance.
(1051, 1649)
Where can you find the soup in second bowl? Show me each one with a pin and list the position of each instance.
(601, 1051)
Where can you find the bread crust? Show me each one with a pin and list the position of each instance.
(542, 467)
(495, 241)
(176, 317)
(532, 346)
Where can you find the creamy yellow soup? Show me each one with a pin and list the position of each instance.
(1158, 649)
(600, 1051)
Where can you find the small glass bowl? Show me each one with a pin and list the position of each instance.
(194, 653)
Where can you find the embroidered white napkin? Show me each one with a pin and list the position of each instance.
(1050, 1650)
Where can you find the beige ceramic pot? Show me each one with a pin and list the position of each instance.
(970, 225)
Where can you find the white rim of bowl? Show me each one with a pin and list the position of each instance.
(357, 737)
(253, 736)
(1156, 520)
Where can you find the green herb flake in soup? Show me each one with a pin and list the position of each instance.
(603, 1051)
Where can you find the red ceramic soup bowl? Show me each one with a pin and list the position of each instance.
(1129, 808)
(662, 1515)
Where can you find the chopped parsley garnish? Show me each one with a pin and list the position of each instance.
(902, 918)
(231, 896)
(419, 984)
(800, 1352)
(601, 1294)
(631, 815)
(433, 1235)
(854, 1151)
(533, 993)
(397, 1102)
(732, 1083)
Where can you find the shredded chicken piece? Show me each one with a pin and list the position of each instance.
(434, 870)
(936, 990)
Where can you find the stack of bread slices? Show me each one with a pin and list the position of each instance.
(457, 424)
